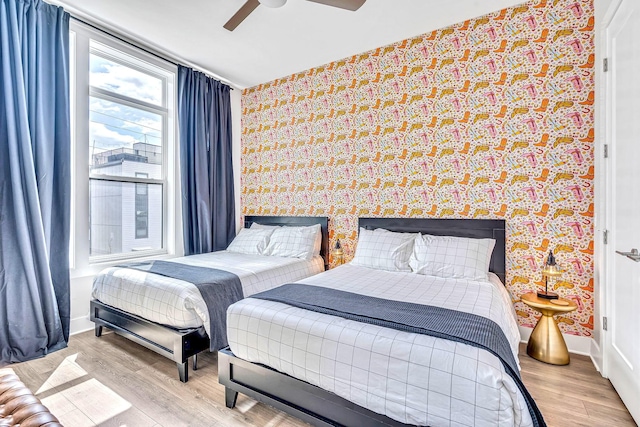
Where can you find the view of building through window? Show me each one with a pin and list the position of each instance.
(126, 151)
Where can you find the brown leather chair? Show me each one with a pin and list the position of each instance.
(20, 408)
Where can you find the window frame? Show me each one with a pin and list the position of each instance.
(87, 41)
(109, 53)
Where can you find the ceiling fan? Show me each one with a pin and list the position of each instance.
(250, 6)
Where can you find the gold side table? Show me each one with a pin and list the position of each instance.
(546, 343)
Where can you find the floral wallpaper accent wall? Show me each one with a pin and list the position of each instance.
(491, 118)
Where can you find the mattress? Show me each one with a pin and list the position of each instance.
(412, 378)
(177, 303)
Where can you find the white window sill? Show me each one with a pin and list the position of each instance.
(97, 264)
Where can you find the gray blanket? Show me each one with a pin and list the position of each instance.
(218, 288)
(438, 322)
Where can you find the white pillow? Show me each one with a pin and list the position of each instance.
(255, 225)
(455, 257)
(316, 228)
(250, 241)
(294, 242)
(384, 250)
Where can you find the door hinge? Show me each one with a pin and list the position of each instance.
(605, 236)
(605, 326)
(606, 151)
(605, 64)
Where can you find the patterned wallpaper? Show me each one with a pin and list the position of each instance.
(491, 118)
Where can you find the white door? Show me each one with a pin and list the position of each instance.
(622, 342)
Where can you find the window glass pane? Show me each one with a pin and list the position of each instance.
(142, 211)
(124, 141)
(124, 219)
(123, 80)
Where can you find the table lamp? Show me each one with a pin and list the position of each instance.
(550, 269)
(338, 252)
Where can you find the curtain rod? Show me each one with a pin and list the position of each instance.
(150, 52)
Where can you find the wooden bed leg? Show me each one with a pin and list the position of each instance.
(230, 397)
(183, 371)
(195, 362)
(98, 330)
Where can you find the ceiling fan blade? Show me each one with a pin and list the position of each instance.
(342, 4)
(241, 14)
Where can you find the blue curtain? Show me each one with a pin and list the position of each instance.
(34, 179)
(204, 114)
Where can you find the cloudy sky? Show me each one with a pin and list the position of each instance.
(115, 125)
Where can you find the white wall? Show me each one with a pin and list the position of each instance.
(80, 297)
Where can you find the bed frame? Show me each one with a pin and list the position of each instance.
(313, 404)
(181, 344)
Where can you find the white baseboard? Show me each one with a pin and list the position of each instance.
(575, 344)
(596, 356)
(80, 324)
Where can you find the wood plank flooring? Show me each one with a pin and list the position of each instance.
(111, 381)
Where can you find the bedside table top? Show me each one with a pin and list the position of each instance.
(532, 300)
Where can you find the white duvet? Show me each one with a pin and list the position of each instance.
(412, 378)
(177, 303)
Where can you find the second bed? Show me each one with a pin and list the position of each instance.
(177, 307)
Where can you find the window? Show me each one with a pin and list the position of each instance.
(126, 147)
(124, 123)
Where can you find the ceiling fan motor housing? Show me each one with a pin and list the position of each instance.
(272, 3)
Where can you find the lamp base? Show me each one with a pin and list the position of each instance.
(547, 295)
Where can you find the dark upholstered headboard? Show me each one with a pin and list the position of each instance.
(297, 221)
(475, 228)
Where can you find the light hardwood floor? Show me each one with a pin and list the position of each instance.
(111, 381)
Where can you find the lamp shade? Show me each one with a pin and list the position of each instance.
(551, 267)
(551, 271)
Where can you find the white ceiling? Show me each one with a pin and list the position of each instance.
(272, 43)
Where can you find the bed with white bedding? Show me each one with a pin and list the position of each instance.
(393, 377)
(412, 378)
(174, 317)
(178, 303)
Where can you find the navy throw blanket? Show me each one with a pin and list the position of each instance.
(438, 322)
(218, 288)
